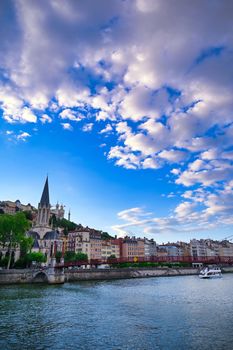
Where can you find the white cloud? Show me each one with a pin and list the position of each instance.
(124, 157)
(201, 211)
(23, 136)
(175, 171)
(28, 116)
(102, 116)
(126, 64)
(147, 5)
(210, 154)
(150, 163)
(123, 128)
(142, 143)
(108, 128)
(45, 119)
(71, 115)
(227, 155)
(103, 145)
(210, 177)
(184, 209)
(173, 156)
(143, 102)
(67, 126)
(88, 127)
(198, 165)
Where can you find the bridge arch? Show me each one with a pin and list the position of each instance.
(40, 277)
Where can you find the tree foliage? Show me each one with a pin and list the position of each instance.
(25, 245)
(113, 256)
(28, 214)
(106, 235)
(36, 256)
(29, 258)
(72, 256)
(63, 223)
(12, 232)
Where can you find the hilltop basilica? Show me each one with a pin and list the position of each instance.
(46, 239)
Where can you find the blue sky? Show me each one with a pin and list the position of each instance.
(127, 105)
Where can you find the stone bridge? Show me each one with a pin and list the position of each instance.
(50, 275)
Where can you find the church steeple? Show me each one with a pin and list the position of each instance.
(43, 215)
(45, 195)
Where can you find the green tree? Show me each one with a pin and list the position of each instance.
(62, 223)
(25, 245)
(12, 231)
(58, 256)
(81, 256)
(72, 256)
(113, 256)
(69, 256)
(106, 235)
(28, 215)
(35, 256)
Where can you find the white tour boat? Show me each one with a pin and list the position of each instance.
(210, 272)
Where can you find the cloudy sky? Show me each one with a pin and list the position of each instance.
(127, 105)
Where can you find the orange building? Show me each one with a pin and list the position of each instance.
(133, 247)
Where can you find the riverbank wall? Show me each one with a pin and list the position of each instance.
(36, 276)
(22, 276)
(110, 274)
(14, 276)
(28, 276)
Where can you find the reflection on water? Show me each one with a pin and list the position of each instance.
(156, 313)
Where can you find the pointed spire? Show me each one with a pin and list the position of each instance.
(45, 195)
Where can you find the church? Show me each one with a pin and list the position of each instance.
(46, 239)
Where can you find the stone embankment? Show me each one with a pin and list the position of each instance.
(109, 274)
(39, 275)
(51, 277)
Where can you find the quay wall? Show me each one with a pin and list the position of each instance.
(17, 276)
(109, 274)
(227, 269)
(14, 276)
(23, 276)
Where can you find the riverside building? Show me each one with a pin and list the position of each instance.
(133, 247)
(150, 247)
(110, 248)
(79, 242)
(96, 245)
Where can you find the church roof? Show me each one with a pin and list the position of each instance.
(34, 235)
(45, 195)
(36, 244)
(51, 235)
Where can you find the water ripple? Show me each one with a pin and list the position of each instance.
(140, 314)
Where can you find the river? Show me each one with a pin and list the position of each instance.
(154, 313)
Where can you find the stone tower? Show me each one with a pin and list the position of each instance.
(44, 207)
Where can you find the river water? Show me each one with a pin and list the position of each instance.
(154, 313)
